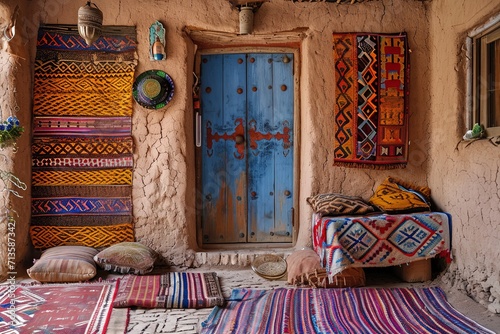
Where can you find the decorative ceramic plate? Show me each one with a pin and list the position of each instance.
(269, 266)
(153, 89)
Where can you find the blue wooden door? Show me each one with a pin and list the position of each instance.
(247, 148)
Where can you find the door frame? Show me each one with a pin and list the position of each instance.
(296, 139)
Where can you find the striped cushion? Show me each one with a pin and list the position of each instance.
(171, 290)
(65, 264)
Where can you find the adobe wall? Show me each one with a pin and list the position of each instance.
(464, 179)
(163, 191)
(15, 93)
(164, 156)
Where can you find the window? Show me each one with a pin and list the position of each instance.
(486, 79)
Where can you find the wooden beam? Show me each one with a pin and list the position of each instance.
(252, 3)
(219, 39)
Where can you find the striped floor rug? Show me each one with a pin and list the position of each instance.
(360, 310)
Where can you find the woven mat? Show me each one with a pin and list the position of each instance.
(58, 308)
(349, 310)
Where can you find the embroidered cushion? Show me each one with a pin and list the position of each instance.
(170, 290)
(127, 258)
(301, 262)
(337, 205)
(395, 195)
(65, 264)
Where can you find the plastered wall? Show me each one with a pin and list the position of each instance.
(462, 182)
(465, 180)
(15, 96)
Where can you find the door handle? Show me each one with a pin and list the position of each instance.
(239, 139)
(198, 130)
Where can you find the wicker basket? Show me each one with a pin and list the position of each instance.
(349, 277)
(270, 266)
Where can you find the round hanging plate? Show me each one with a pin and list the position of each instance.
(153, 89)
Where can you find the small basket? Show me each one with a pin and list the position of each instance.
(269, 266)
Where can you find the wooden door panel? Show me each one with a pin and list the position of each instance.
(247, 148)
(223, 160)
(260, 157)
(270, 158)
(283, 100)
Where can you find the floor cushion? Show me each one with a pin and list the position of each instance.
(127, 258)
(65, 264)
(300, 262)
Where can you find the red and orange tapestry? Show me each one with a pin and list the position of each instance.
(82, 148)
(371, 100)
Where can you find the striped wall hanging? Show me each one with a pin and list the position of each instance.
(82, 148)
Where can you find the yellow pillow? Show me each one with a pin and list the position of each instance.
(394, 195)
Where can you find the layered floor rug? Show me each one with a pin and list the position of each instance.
(360, 310)
(60, 308)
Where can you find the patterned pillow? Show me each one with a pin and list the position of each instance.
(171, 290)
(65, 264)
(395, 195)
(338, 205)
(127, 258)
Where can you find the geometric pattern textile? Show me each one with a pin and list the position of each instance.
(44, 237)
(68, 162)
(342, 311)
(81, 206)
(104, 176)
(81, 126)
(380, 240)
(45, 308)
(82, 148)
(170, 290)
(371, 100)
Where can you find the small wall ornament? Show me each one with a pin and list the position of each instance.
(157, 41)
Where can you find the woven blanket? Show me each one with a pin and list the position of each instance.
(56, 308)
(371, 105)
(348, 310)
(82, 148)
(171, 290)
(380, 240)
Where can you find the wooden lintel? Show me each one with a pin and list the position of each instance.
(251, 3)
(218, 39)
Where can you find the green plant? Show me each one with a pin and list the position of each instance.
(10, 130)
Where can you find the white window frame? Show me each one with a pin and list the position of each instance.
(476, 67)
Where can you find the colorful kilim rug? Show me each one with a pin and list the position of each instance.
(82, 148)
(56, 308)
(380, 240)
(348, 310)
(371, 100)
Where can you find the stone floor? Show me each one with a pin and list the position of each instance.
(189, 321)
